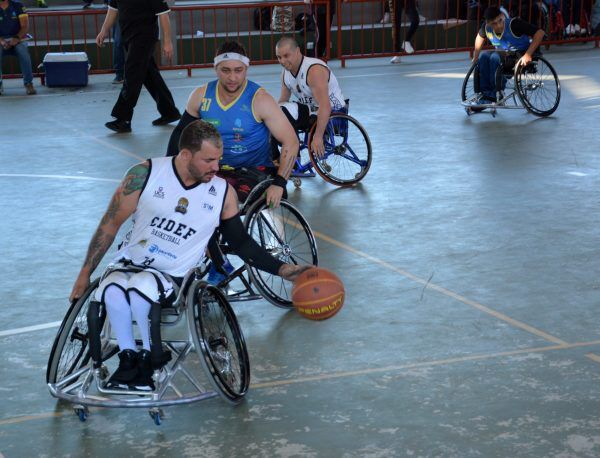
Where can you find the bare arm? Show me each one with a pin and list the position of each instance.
(285, 92)
(318, 81)
(109, 21)
(194, 101)
(122, 205)
(279, 126)
(535, 42)
(165, 27)
(24, 23)
(479, 41)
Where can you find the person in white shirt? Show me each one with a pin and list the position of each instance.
(175, 204)
(314, 87)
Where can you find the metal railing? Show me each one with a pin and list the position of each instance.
(356, 32)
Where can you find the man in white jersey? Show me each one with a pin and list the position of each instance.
(313, 85)
(175, 204)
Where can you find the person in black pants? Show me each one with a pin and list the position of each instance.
(403, 43)
(321, 20)
(139, 31)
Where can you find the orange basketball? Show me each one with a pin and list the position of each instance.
(318, 294)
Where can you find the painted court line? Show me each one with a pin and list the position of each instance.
(59, 177)
(446, 292)
(336, 375)
(37, 327)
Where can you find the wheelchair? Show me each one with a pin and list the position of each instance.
(534, 87)
(348, 152)
(197, 327)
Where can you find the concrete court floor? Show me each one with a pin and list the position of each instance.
(469, 255)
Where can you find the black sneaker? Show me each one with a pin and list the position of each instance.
(143, 381)
(164, 120)
(126, 372)
(119, 126)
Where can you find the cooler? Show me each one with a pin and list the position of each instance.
(66, 69)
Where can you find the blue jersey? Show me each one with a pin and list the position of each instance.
(507, 41)
(245, 138)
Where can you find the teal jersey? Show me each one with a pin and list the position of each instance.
(245, 138)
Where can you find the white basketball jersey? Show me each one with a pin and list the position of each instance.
(301, 90)
(173, 223)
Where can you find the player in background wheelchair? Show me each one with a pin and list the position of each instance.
(507, 35)
(338, 146)
(175, 204)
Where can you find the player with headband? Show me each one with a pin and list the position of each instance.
(245, 115)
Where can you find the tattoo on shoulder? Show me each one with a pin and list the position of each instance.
(135, 178)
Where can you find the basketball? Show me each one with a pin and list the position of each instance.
(318, 294)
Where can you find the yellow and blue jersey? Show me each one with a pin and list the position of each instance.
(507, 40)
(245, 138)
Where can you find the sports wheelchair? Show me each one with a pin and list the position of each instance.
(348, 152)
(198, 327)
(535, 87)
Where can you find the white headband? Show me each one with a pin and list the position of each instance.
(231, 56)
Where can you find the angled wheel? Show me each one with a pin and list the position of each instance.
(70, 350)
(470, 89)
(538, 87)
(219, 342)
(284, 233)
(348, 153)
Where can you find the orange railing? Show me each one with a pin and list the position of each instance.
(447, 26)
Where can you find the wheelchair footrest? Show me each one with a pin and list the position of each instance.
(306, 174)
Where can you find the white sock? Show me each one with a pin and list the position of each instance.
(140, 308)
(119, 315)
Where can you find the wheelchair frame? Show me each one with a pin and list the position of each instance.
(335, 128)
(81, 379)
(520, 85)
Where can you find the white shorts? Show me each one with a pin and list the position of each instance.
(148, 283)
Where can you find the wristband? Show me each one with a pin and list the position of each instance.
(278, 180)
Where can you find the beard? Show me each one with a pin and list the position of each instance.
(199, 176)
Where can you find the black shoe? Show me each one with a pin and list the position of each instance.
(164, 120)
(143, 381)
(86, 5)
(126, 372)
(119, 126)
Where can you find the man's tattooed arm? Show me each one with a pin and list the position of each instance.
(122, 205)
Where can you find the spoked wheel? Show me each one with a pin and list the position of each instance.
(219, 342)
(538, 87)
(347, 157)
(71, 350)
(286, 235)
(470, 93)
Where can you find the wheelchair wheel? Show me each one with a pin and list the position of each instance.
(347, 151)
(538, 87)
(219, 342)
(70, 350)
(285, 234)
(470, 89)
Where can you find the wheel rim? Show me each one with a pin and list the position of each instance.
(285, 234)
(222, 343)
(347, 157)
(538, 87)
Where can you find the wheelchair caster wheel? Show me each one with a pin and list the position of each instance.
(82, 412)
(157, 415)
(297, 182)
(469, 111)
(494, 113)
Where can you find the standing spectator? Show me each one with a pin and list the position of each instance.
(118, 54)
(139, 31)
(41, 4)
(410, 6)
(321, 19)
(13, 31)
